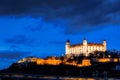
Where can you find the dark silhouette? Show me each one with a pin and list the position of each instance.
(99, 69)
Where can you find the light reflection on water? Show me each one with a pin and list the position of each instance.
(60, 78)
(76, 78)
(31, 77)
(87, 79)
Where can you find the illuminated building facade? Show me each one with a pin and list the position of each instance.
(84, 48)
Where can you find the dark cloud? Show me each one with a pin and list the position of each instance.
(75, 15)
(12, 54)
(46, 7)
(20, 40)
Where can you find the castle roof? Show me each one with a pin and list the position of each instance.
(89, 44)
(75, 45)
(94, 44)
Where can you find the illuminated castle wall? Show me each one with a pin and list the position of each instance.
(84, 48)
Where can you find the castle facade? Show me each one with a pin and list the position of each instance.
(84, 48)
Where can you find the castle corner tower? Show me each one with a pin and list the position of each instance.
(104, 44)
(85, 47)
(84, 42)
(67, 46)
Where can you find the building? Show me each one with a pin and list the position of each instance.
(28, 59)
(40, 61)
(84, 48)
(103, 60)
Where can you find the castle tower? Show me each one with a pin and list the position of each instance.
(104, 44)
(67, 46)
(85, 47)
(84, 42)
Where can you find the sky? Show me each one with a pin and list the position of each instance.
(41, 27)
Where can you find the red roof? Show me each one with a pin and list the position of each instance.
(89, 44)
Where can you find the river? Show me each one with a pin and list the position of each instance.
(43, 77)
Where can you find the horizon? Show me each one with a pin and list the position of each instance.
(41, 28)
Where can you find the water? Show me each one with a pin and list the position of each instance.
(40, 77)
(54, 78)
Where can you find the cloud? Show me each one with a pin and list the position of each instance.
(35, 7)
(12, 54)
(72, 15)
(20, 40)
(9, 57)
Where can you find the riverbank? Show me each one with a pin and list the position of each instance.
(97, 70)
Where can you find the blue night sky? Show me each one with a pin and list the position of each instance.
(41, 27)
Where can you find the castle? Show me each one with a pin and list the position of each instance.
(84, 48)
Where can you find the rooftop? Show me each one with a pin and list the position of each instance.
(89, 44)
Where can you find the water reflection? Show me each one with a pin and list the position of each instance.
(39, 77)
(87, 79)
(79, 79)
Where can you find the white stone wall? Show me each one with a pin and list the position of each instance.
(85, 48)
